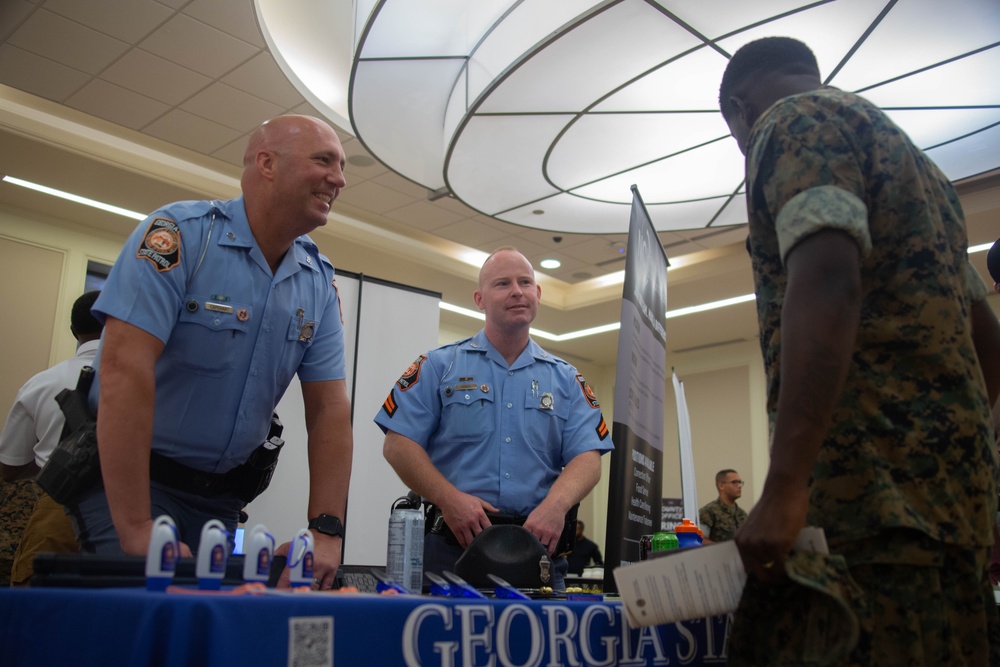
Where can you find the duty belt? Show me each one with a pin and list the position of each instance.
(178, 476)
(247, 480)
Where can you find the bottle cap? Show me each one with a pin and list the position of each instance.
(686, 526)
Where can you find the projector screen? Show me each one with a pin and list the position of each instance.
(386, 326)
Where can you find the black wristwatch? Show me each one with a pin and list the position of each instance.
(328, 525)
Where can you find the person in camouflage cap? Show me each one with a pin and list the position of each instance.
(722, 517)
(871, 318)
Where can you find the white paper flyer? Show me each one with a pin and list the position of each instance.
(692, 583)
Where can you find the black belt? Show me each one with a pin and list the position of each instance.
(247, 480)
(178, 476)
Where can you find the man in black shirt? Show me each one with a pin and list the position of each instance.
(584, 551)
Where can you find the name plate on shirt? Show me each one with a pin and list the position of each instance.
(218, 307)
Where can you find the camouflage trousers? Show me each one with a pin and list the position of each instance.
(17, 500)
(914, 601)
(48, 530)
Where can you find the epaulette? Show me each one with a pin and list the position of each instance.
(189, 210)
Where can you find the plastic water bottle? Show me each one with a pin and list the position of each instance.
(301, 558)
(665, 541)
(688, 534)
(213, 551)
(259, 551)
(164, 550)
(405, 553)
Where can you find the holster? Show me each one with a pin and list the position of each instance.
(73, 467)
(255, 475)
(435, 523)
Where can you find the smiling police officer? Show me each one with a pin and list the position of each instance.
(210, 310)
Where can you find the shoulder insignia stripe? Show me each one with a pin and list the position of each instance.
(602, 429)
(390, 404)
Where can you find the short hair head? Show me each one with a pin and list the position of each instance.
(81, 321)
(506, 248)
(720, 476)
(769, 55)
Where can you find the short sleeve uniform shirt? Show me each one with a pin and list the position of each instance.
(501, 434)
(234, 334)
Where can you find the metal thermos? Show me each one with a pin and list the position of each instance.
(404, 561)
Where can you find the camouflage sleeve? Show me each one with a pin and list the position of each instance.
(818, 208)
(975, 286)
(705, 519)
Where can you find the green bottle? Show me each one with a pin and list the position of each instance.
(664, 541)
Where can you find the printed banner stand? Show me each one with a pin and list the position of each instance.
(635, 483)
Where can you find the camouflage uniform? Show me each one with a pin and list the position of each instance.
(721, 520)
(905, 476)
(17, 500)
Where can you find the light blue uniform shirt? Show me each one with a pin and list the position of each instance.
(501, 434)
(234, 334)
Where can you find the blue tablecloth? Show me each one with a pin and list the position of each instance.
(118, 627)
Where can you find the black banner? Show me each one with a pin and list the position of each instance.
(634, 492)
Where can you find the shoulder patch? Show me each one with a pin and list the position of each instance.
(588, 393)
(412, 374)
(162, 244)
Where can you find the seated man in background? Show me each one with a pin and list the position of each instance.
(494, 424)
(32, 431)
(584, 552)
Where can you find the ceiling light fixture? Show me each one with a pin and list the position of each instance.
(550, 264)
(523, 105)
(75, 198)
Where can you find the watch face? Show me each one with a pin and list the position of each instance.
(328, 525)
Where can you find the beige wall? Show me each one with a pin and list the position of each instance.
(43, 267)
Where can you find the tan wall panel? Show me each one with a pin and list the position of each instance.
(33, 279)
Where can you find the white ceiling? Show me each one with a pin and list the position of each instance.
(142, 102)
(569, 103)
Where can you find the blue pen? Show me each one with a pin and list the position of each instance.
(439, 586)
(384, 583)
(460, 588)
(504, 590)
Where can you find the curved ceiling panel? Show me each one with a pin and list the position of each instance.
(542, 113)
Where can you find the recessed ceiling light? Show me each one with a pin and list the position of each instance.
(550, 263)
(117, 210)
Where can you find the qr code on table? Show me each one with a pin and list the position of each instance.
(310, 641)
